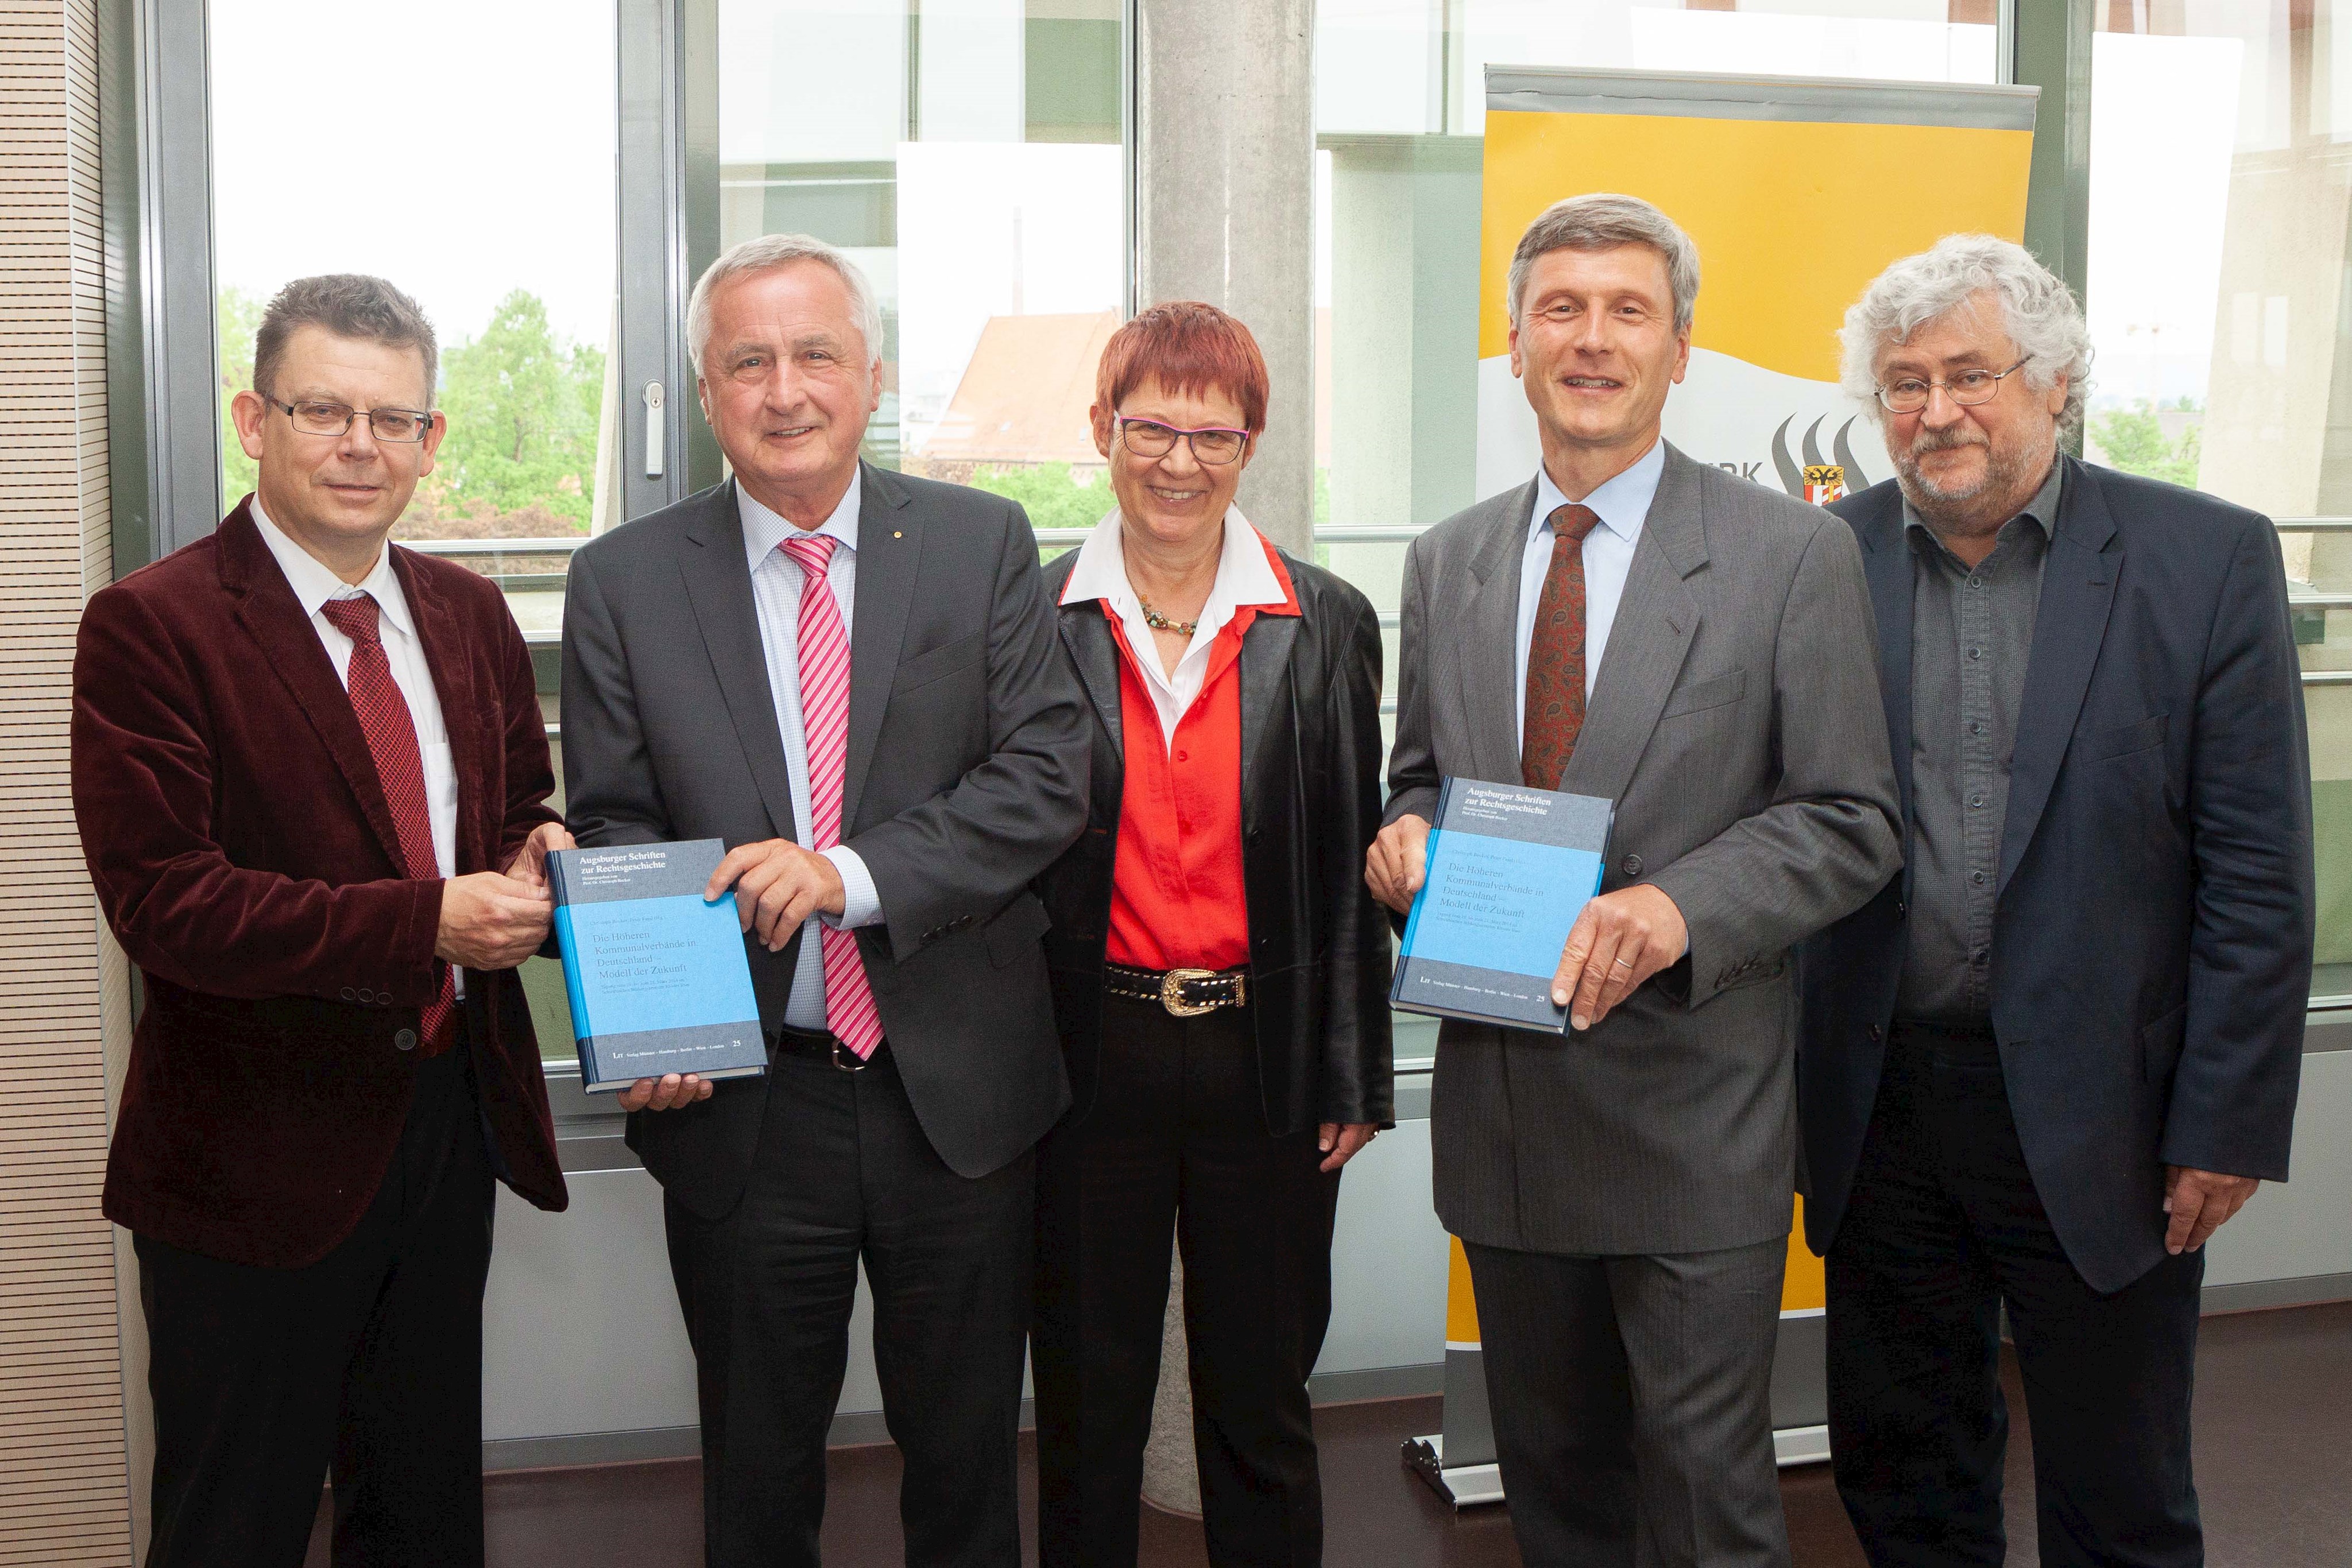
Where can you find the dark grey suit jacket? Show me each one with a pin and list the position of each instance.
(1736, 724)
(966, 777)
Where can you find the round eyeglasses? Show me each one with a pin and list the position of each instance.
(319, 417)
(1213, 444)
(1969, 387)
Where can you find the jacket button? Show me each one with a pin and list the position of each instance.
(1632, 866)
(405, 1039)
(350, 995)
(1902, 910)
(1876, 1032)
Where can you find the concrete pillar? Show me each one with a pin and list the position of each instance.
(1171, 1469)
(1225, 212)
(1225, 208)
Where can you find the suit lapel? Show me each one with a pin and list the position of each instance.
(719, 588)
(1265, 684)
(463, 710)
(1490, 631)
(289, 645)
(2078, 587)
(1656, 619)
(889, 545)
(1888, 567)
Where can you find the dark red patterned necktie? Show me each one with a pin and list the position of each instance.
(400, 766)
(1556, 655)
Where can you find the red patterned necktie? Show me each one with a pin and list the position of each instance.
(1556, 655)
(400, 767)
(849, 1009)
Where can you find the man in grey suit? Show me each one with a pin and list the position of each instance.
(1624, 1190)
(851, 676)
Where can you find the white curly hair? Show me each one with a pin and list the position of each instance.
(2037, 310)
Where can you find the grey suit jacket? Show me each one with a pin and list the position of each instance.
(966, 777)
(1737, 724)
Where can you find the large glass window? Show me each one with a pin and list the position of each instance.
(479, 178)
(1400, 112)
(2220, 191)
(966, 153)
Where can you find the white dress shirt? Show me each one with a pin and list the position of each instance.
(1621, 503)
(314, 584)
(776, 584)
(1244, 580)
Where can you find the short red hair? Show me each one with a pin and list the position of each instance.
(1190, 348)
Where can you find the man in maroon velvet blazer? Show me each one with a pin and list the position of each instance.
(312, 780)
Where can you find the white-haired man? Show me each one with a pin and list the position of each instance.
(1623, 1192)
(852, 677)
(2044, 1065)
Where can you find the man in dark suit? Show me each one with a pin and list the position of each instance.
(1624, 1187)
(2045, 1063)
(311, 776)
(850, 676)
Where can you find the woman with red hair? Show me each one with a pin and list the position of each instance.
(1220, 970)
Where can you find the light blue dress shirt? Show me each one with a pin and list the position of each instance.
(1621, 503)
(776, 583)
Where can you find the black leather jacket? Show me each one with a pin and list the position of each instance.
(1319, 951)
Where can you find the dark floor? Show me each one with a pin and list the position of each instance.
(2273, 1453)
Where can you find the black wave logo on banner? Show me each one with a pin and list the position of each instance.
(1792, 476)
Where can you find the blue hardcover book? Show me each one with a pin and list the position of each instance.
(1509, 869)
(657, 978)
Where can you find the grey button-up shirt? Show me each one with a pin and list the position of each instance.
(1972, 635)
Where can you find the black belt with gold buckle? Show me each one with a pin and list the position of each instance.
(1185, 993)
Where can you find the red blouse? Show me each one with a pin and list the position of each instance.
(1176, 899)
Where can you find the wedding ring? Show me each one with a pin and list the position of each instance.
(1624, 963)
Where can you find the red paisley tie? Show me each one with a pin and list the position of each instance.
(400, 766)
(1555, 711)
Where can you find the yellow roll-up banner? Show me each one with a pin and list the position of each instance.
(1797, 193)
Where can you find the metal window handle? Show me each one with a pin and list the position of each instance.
(653, 430)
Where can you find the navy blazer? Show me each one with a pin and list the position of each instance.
(2151, 954)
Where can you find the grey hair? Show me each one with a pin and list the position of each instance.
(1603, 221)
(2037, 310)
(764, 254)
(349, 305)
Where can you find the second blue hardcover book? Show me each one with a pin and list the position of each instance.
(657, 978)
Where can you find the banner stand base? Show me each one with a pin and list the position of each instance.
(1801, 1446)
(1465, 1485)
(1470, 1484)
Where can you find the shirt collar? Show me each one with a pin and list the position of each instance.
(1245, 578)
(763, 529)
(2042, 509)
(1622, 503)
(314, 584)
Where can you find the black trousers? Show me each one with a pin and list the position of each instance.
(1632, 1399)
(1943, 1228)
(844, 1173)
(1176, 1142)
(370, 1359)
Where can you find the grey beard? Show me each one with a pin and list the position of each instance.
(1959, 511)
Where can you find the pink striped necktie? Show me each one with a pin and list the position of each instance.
(849, 1009)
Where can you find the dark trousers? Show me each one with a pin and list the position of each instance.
(370, 1359)
(1176, 1142)
(1943, 1228)
(1632, 1399)
(844, 1174)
